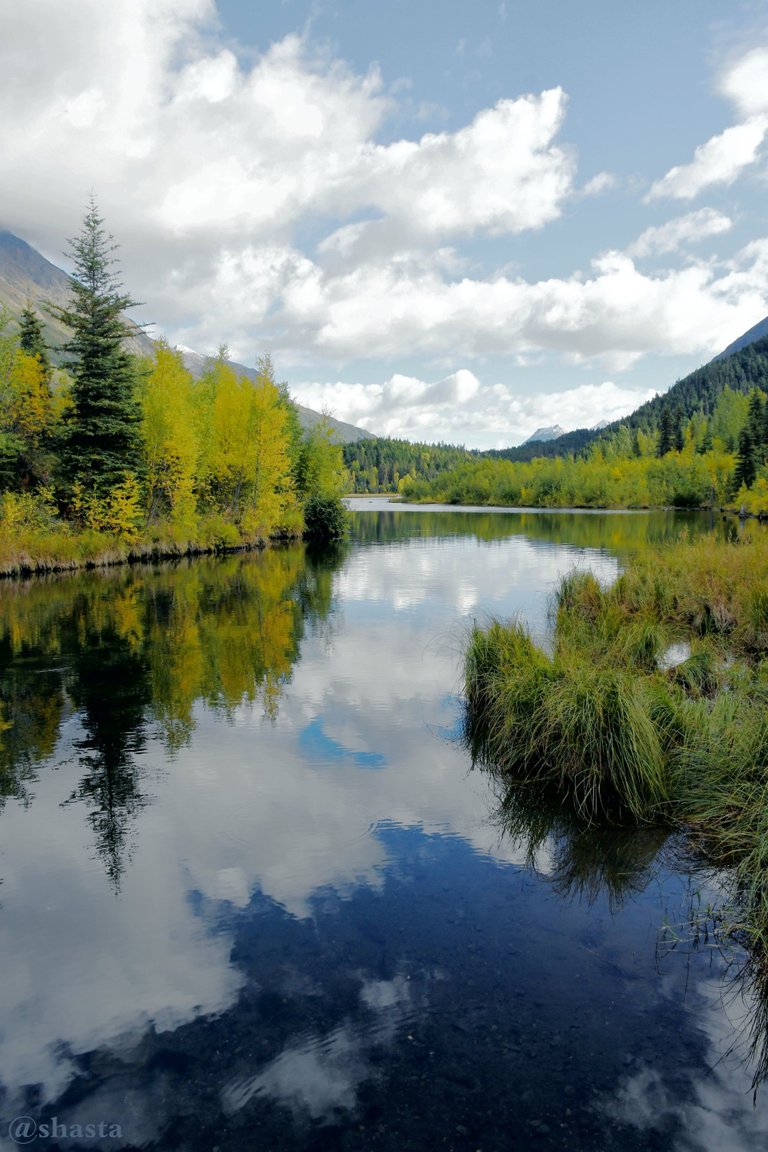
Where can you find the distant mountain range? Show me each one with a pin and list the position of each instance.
(554, 432)
(27, 277)
(550, 433)
(742, 366)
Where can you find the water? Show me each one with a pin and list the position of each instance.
(253, 897)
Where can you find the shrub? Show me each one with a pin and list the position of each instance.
(325, 518)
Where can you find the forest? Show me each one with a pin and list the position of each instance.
(704, 442)
(379, 464)
(113, 455)
(700, 461)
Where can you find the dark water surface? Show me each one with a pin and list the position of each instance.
(253, 897)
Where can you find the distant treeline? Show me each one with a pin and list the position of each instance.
(705, 442)
(380, 464)
(721, 458)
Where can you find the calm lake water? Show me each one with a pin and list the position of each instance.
(253, 896)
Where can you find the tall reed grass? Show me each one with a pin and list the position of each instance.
(623, 737)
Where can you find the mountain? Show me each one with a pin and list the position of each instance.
(27, 277)
(742, 366)
(758, 332)
(550, 433)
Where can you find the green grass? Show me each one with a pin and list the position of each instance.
(619, 737)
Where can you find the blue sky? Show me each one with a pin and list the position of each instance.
(443, 222)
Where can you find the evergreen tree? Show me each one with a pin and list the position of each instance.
(746, 469)
(678, 436)
(32, 341)
(755, 426)
(101, 441)
(666, 432)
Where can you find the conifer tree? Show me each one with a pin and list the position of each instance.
(32, 340)
(746, 468)
(755, 425)
(101, 441)
(678, 436)
(665, 433)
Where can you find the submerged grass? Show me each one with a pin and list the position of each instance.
(623, 735)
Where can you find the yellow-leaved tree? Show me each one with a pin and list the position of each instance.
(245, 470)
(170, 437)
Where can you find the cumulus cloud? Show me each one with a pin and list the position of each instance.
(209, 147)
(459, 409)
(257, 204)
(723, 157)
(745, 83)
(719, 161)
(618, 313)
(672, 235)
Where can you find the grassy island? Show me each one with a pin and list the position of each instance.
(651, 709)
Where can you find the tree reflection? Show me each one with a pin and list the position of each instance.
(617, 531)
(110, 688)
(134, 652)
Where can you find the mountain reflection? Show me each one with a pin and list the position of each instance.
(140, 647)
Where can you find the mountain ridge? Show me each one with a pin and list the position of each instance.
(743, 365)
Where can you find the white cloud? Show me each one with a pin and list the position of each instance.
(719, 161)
(681, 230)
(459, 409)
(601, 182)
(503, 173)
(214, 168)
(619, 313)
(212, 149)
(746, 83)
(723, 157)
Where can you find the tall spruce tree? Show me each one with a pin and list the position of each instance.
(746, 466)
(101, 441)
(666, 433)
(678, 435)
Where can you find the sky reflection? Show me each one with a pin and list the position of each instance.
(320, 910)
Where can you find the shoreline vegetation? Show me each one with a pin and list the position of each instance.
(117, 457)
(71, 551)
(652, 709)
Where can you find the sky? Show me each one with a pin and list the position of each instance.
(442, 221)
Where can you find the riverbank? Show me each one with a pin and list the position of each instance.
(67, 550)
(652, 708)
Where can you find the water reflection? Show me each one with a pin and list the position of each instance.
(581, 861)
(323, 940)
(383, 521)
(135, 650)
(591, 862)
(108, 684)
